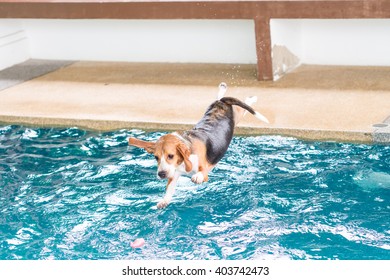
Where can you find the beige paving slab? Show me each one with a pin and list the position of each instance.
(108, 96)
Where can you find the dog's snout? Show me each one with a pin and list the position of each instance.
(162, 174)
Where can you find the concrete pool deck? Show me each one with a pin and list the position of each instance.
(313, 102)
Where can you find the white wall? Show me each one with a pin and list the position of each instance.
(335, 42)
(214, 41)
(329, 42)
(363, 42)
(346, 42)
(13, 43)
(288, 32)
(287, 48)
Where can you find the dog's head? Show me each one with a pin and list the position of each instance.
(169, 152)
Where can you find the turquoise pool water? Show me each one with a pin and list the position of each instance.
(73, 194)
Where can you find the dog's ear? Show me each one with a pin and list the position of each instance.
(185, 153)
(150, 147)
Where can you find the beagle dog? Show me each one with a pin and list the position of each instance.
(195, 152)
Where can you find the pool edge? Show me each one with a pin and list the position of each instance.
(109, 125)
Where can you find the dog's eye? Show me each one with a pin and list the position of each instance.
(156, 157)
(170, 156)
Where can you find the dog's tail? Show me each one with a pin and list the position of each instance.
(237, 102)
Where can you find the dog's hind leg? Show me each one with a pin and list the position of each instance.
(239, 112)
(222, 90)
(250, 100)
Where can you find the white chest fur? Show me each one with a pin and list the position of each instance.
(195, 165)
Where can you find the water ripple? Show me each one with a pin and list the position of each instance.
(75, 194)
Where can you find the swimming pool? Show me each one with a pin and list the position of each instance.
(75, 194)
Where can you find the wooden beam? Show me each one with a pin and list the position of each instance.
(263, 49)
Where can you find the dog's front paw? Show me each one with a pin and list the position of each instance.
(198, 178)
(162, 204)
